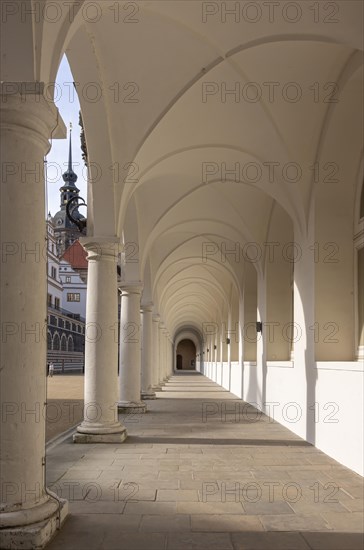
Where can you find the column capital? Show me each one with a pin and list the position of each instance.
(101, 248)
(146, 308)
(130, 287)
(26, 109)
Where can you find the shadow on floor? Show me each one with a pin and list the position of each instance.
(133, 439)
(102, 532)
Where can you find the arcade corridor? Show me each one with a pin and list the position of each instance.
(222, 145)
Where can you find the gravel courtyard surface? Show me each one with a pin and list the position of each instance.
(64, 403)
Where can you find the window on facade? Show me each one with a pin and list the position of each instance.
(73, 297)
(63, 343)
(71, 346)
(49, 300)
(53, 272)
(56, 342)
(68, 279)
(57, 303)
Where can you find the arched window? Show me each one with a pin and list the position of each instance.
(71, 346)
(49, 340)
(56, 342)
(63, 343)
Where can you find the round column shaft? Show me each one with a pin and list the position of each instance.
(130, 350)
(29, 516)
(101, 424)
(147, 352)
(162, 361)
(156, 359)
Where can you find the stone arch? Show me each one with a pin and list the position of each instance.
(186, 355)
(70, 344)
(63, 343)
(49, 340)
(56, 342)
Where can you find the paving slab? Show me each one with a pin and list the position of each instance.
(269, 541)
(198, 541)
(334, 541)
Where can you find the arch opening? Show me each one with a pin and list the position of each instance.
(186, 355)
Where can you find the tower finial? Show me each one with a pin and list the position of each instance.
(70, 150)
(69, 177)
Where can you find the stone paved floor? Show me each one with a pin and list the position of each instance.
(193, 475)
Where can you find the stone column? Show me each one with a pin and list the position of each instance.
(165, 346)
(223, 353)
(30, 515)
(156, 360)
(130, 349)
(169, 357)
(147, 352)
(215, 357)
(162, 354)
(209, 356)
(100, 424)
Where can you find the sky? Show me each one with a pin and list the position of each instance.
(66, 101)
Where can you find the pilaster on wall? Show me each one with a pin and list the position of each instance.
(261, 365)
(250, 312)
(303, 336)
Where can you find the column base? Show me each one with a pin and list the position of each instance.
(114, 433)
(33, 535)
(100, 438)
(157, 388)
(137, 407)
(148, 394)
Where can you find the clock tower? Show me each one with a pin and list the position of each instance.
(65, 231)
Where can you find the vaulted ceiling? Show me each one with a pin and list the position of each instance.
(208, 130)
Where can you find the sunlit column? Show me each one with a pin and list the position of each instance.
(147, 352)
(130, 350)
(100, 424)
(156, 354)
